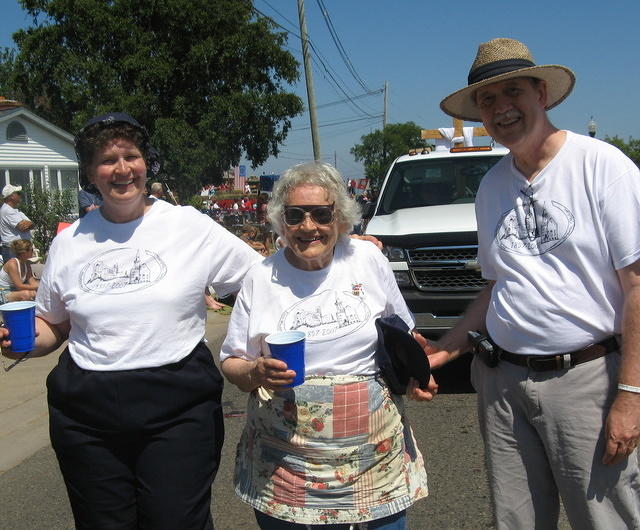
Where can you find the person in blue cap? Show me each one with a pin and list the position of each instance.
(134, 402)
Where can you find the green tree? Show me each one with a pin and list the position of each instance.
(208, 78)
(46, 208)
(630, 148)
(7, 61)
(381, 147)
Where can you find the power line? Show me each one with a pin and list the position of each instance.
(267, 17)
(320, 58)
(289, 21)
(365, 95)
(340, 47)
(341, 122)
(349, 98)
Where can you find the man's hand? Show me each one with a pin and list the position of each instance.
(622, 428)
(437, 355)
(415, 393)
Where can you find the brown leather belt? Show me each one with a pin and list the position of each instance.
(543, 363)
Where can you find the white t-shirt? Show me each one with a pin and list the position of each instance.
(335, 306)
(134, 292)
(9, 219)
(553, 246)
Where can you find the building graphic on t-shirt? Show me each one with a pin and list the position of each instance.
(331, 313)
(137, 273)
(534, 228)
(122, 270)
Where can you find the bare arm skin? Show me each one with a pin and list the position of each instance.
(456, 342)
(264, 371)
(11, 268)
(49, 337)
(622, 426)
(25, 225)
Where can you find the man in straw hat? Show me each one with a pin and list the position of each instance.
(559, 242)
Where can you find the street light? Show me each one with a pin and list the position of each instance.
(591, 127)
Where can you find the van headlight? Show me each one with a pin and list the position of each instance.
(393, 253)
(402, 278)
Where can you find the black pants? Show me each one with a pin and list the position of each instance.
(138, 448)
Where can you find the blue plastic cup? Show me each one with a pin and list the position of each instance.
(288, 346)
(20, 319)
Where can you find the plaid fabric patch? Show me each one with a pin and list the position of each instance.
(350, 410)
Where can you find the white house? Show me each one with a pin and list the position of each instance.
(34, 151)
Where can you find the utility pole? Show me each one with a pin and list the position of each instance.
(384, 114)
(384, 122)
(311, 97)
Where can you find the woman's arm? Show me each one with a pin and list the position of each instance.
(30, 280)
(49, 337)
(11, 268)
(264, 371)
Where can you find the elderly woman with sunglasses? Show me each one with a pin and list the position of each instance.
(336, 450)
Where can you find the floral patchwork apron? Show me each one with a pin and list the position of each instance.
(336, 449)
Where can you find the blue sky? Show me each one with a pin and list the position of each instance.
(423, 50)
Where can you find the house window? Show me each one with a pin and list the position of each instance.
(36, 178)
(64, 179)
(19, 177)
(16, 132)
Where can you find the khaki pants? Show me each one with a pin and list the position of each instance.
(544, 439)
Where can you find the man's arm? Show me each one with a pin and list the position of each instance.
(456, 341)
(25, 225)
(622, 427)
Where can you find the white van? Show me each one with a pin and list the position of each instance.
(425, 218)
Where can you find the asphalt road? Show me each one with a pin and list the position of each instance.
(33, 497)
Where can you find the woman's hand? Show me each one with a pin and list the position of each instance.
(49, 337)
(270, 373)
(415, 393)
(5, 344)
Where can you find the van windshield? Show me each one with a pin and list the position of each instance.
(434, 182)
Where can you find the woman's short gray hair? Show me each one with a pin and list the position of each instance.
(347, 211)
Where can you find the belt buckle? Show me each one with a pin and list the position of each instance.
(544, 363)
(531, 360)
(564, 361)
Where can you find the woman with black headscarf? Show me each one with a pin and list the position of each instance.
(134, 402)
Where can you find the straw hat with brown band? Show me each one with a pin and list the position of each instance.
(499, 60)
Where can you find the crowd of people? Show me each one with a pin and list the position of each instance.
(135, 400)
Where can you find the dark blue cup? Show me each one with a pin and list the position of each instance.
(20, 319)
(288, 346)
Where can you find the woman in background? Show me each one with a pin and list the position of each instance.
(16, 278)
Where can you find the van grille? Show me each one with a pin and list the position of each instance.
(446, 268)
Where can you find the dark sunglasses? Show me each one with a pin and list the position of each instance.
(321, 215)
